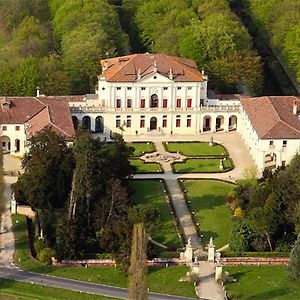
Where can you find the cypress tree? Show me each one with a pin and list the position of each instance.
(137, 289)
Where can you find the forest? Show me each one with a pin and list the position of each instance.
(279, 21)
(57, 44)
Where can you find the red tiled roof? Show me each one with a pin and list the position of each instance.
(127, 68)
(38, 113)
(272, 117)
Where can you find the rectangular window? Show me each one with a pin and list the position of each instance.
(177, 122)
(4, 128)
(164, 123)
(118, 123)
(128, 123)
(179, 88)
(188, 122)
(165, 88)
(143, 88)
(178, 103)
(3, 144)
(17, 128)
(189, 102)
(271, 143)
(189, 88)
(129, 88)
(142, 103)
(165, 103)
(284, 144)
(142, 123)
(201, 102)
(118, 103)
(129, 103)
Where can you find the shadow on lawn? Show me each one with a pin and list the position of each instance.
(270, 294)
(207, 202)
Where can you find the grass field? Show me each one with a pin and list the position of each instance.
(12, 290)
(142, 167)
(262, 283)
(141, 148)
(195, 148)
(108, 276)
(202, 165)
(207, 200)
(151, 191)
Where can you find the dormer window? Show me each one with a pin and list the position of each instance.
(179, 88)
(118, 88)
(6, 104)
(154, 77)
(129, 88)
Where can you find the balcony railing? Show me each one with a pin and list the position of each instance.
(207, 108)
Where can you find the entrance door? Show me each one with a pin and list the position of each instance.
(153, 123)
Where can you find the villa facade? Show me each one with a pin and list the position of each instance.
(141, 94)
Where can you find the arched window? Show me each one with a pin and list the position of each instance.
(154, 101)
(86, 122)
(99, 124)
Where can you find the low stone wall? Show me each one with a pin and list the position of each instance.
(26, 211)
(112, 263)
(84, 263)
(254, 261)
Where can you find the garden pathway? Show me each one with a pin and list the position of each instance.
(207, 288)
(7, 243)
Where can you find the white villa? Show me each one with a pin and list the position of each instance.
(155, 93)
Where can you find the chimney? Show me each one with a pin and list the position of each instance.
(171, 74)
(139, 74)
(295, 108)
(37, 91)
(155, 66)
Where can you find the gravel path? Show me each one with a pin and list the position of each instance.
(7, 242)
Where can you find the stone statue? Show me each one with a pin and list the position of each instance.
(211, 243)
(189, 243)
(211, 142)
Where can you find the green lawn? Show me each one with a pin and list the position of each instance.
(105, 275)
(151, 191)
(262, 283)
(10, 289)
(195, 148)
(141, 148)
(202, 165)
(207, 199)
(142, 167)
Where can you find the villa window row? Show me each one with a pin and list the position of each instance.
(143, 88)
(4, 128)
(154, 102)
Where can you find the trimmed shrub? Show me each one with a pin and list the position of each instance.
(45, 255)
(39, 245)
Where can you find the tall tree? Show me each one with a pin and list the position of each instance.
(137, 289)
(294, 263)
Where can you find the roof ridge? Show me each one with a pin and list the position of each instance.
(186, 66)
(280, 120)
(270, 100)
(125, 64)
(36, 113)
(53, 124)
